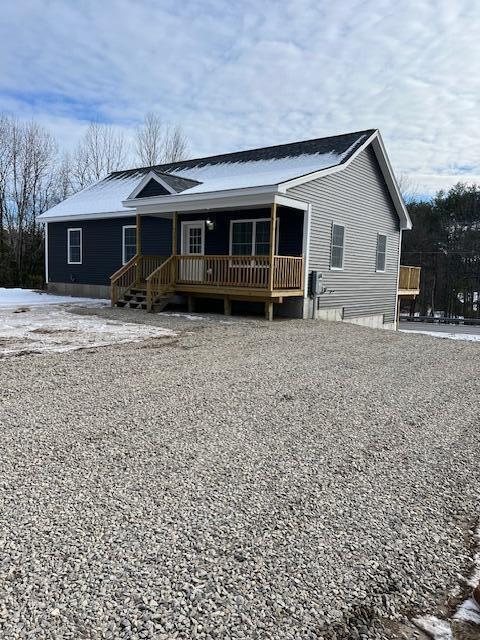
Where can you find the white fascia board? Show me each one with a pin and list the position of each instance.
(151, 175)
(392, 184)
(88, 216)
(201, 201)
(293, 203)
(379, 149)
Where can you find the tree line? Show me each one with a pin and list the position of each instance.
(35, 175)
(445, 243)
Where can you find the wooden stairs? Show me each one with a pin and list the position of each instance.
(136, 298)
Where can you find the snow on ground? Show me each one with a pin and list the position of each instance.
(33, 322)
(12, 298)
(468, 611)
(434, 627)
(472, 337)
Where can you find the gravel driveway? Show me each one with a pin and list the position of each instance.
(244, 480)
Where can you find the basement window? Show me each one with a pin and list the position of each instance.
(381, 253)
(74, 246)
(129, 242)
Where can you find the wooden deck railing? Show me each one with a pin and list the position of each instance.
(132, 274)
(240, 271)
(162, 274)
(161, 280)
(223, 271)
(409, 279)
(288, 272)
(149, 264)
(124, 279)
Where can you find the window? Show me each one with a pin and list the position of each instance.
(338, 246)
(74, 246)
(251, 237)
(381, 252)
(129, 243)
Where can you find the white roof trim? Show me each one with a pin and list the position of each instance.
(226, 201)
(378, 147)
(151, 175)
(198, 201)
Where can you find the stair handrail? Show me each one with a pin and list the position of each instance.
(155, 285)
(130, 266)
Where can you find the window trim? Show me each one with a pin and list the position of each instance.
(336, 224)
(127, 226)
(377, 270)
(69, 230)
(254, 233)
(184, 223)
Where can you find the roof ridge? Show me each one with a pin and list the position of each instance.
(171, 165)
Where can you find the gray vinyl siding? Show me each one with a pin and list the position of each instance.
(357, 198)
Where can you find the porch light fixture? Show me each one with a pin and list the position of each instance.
(210, 224)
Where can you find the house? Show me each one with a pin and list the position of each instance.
(309, 229)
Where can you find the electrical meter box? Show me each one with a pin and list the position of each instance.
(316, 284)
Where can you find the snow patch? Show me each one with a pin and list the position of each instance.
(468, 611)
(470, 337)
(436, 628)
(39, 328)
(11, 298)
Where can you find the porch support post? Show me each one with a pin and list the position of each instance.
(227, 306)
(138, 238)
(273, 235)
(174, 234)
(269, 310)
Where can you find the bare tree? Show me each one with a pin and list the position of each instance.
(175, 145)
(5, 168)
(156, 143)
(26, 188)
(101, 151)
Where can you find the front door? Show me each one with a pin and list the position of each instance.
(193, 244)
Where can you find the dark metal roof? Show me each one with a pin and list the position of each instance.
(333, 144)
(177, 183)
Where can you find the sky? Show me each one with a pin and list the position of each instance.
(245, 74)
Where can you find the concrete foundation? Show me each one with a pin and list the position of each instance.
(79, 290)
(338, 315)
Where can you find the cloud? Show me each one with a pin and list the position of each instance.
(237, 75)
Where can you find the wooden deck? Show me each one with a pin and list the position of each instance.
(409, 281)
(262, 278)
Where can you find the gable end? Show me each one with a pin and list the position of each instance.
(153, 188)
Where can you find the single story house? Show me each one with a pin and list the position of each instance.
(309, 229)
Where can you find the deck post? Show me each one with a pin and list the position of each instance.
(227, 307)
(138, 240)
(269, 310)
(273, 235)
(191, 304)
(174, 234)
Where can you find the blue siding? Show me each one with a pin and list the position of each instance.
(101, 247)
(217, 242)
(102, 241)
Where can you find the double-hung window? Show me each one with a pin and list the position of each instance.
(381, 259)
(74, 246)
(337, 252)
(250, 237)
(129, 242)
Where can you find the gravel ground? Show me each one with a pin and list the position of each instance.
(245, 480)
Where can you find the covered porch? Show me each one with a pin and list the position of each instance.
(249, 254)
